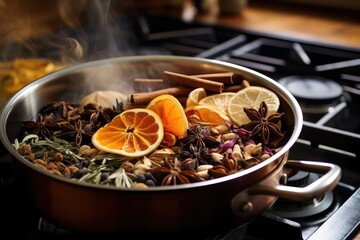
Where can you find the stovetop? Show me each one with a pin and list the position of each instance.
(331, 130)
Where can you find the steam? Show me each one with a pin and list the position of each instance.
(90, 30)
(69, 11)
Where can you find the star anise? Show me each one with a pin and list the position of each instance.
(228, 166)
(43, 127)
(172, 173)
(77, 132)
(263, 127)
(61, 108)
(199, 137)
(98, 114)
(200, 155)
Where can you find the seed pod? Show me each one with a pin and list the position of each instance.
(24, 150)
(61, 166)
(141, 168)
(128, 166)
(247, 156)
(202, 171)
(217, 156)
(86, 151)
(222, 129)
(204, 167)
(253, 150)
(73, 169)
(204, 174)
(229, 136)
(159, 155)
(147, 161)
(83, 148)
(58, 157)
(52, 166)
(236, 153)
(40, 162)
(265, 156)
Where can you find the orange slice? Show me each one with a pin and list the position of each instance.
(170, 139)
(220, 101)
(206, 115)
(251, 97)
(195, 96)
(171, 113)
(133, 133)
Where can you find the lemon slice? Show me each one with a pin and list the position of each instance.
(195, 96)
(251, 97)
(220, 101)
(133, 133)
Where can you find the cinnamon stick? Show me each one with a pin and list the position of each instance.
(225, 77)
(145, 97)
(172, 78)
(235, 88)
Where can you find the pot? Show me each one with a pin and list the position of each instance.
(211, 204)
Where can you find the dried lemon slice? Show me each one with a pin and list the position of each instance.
(251, 97)
(220, 101)
(195, 96)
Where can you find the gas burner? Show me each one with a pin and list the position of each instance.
(316, 95)
(294, 210)
(317, 209)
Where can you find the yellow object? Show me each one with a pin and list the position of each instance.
(206, 115)
(195, 96)
(220, 101)
(16, 74)
(251, 97)
(133, 133)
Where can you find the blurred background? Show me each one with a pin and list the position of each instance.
(312, 47)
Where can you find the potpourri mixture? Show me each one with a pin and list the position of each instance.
(186, 129)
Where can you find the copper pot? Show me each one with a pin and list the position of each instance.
(205, 205)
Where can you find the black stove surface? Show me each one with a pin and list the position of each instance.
(331, 131)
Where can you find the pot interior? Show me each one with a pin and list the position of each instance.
(117, 74)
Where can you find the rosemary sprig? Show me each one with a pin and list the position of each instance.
(46, 147)
(121, 179)
(101, 163)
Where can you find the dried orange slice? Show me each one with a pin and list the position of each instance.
(251, 97)
(219, 101)
(133, 133)
(170, 139)
(195, 96)
(171, 113)
(206, 115)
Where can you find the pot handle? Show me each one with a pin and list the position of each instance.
(327, 182)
